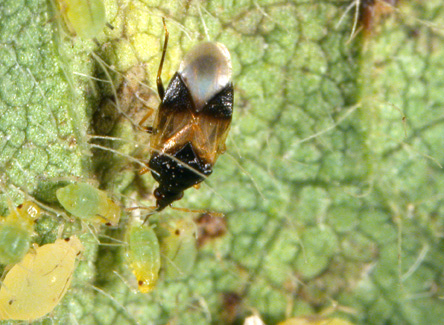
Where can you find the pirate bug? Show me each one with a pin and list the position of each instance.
(178, 247)
(192, 121)
(89, 204)
(36, 285)
(16, 231)
(144, 256)
(85, 18)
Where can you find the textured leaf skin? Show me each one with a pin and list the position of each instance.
(325, 197)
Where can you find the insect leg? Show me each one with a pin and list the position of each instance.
(150, 112)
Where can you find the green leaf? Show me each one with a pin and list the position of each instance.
(332, 184)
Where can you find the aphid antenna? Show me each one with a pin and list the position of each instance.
(185, 30)
(91, 229)
(105, 67)
(171, 262)
(403, 116)
(122, 75)
(203, 21)
(355, 22)
(128, 198)
(351, 110)
(227, 203)
(236, 147)
(132, 288)
(264, 13)
(405, 145)
(144, 146)
(118, 242)
(90, 77)
(258, 189)
(419, 260)
(349, 7)
(116, 303)
(119, 153)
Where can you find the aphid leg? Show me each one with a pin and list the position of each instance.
(160, 88)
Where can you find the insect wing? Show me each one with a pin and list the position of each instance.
(214, 126)
(174, 118)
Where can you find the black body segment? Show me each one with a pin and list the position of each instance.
(221, 105)
(177, 97)
(174, 177)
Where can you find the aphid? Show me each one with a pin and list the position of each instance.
(85, 18)
(192, 122)
(36, 285)
(89, 204)
(16, 231)
(210, 227)
(178, 247)
(371, 12)
(144, 256)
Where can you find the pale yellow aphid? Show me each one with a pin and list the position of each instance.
(36, 285)
(143, 255)
(178, 246)
(85, 18)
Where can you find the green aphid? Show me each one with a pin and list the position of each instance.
(89, 204)
(84, 18)
(178, 245)
(144, 256)
(16, 231)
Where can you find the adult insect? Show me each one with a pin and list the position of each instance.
(192, 121)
